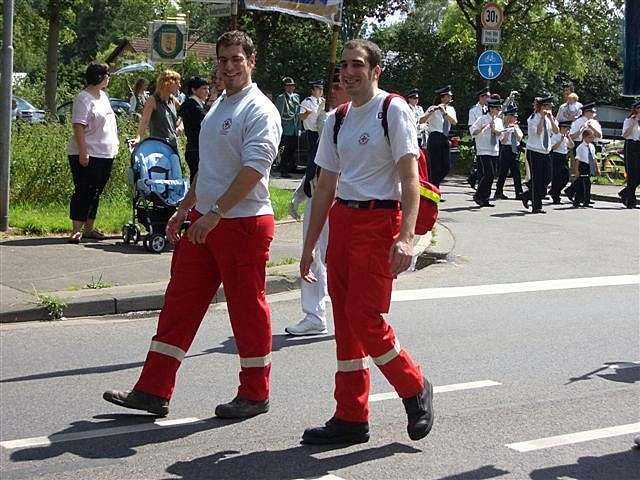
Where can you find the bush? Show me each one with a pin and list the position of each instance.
(40, 168)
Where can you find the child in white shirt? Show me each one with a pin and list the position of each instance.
(587, 166)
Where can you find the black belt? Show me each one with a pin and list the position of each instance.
(370, 204)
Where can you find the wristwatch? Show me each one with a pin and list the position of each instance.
(217, 210)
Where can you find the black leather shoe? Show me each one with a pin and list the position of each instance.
(138, 401)
(480, 202)
(487, 204)
(241, 408)
(538, 210)
(500, 196)
(420, 412)
(337, 431)
(556, 201)
(525, 200)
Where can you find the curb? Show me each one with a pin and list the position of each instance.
(150, 297)
(110, 304)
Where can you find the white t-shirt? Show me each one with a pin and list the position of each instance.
(364, 158)
(101, 131)
(568, 112)
(579, 124)
(436, 121)
(505, 138)
(310, 104)
(474, 114)
(564, 145)
(241, 130)
(535, 142)
(582, 152)
(635, 131)
(486, 143)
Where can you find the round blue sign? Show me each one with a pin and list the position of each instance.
(490, 64)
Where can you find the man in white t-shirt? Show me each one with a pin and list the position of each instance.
(372, 224)
(227, 242)
(313, 295)
(309, 116)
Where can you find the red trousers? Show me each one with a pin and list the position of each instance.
(235, 254)
(360, 282)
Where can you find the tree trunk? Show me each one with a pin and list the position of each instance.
(53, 41)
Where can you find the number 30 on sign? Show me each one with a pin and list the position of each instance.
(492, 16)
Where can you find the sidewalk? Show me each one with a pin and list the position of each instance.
(131, 279)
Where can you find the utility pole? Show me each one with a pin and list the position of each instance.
(6, 92)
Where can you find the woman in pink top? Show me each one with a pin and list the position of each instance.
(92, 148)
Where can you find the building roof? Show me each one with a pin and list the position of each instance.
(141, 45)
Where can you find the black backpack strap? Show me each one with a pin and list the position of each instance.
(341, 112)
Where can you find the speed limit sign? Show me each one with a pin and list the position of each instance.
(492, 16)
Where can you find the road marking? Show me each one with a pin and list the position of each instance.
(377, 397)
(325, 477)
(577, 437)
(502, 288)
(160, 424)
(102, 432)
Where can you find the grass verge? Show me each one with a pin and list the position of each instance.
(53, 218)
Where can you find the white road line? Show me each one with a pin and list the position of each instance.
(325, 477)
(160, 424)
(502, 288)
(102, 432)
(572, 438)
(377, 397)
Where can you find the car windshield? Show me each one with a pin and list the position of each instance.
(23, 104)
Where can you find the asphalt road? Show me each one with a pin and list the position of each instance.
(530, 332)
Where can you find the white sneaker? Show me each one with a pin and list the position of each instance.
(307, 326)
(293, 210)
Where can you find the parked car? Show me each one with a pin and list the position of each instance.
(27, 112)
(118, 105)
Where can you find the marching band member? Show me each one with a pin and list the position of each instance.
(631, 134)
(561, 144)
(487, 130)
(441, 116)
(510, 154)
(540, 126)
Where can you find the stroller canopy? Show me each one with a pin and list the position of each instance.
(157, 172)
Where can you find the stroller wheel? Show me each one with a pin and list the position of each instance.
(156, 242)
(126, 234)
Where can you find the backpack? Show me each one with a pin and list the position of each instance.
(429, 193)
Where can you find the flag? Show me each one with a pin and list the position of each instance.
(327, 11)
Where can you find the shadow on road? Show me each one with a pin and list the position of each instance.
(482, 473)
(120, 247)
(113, 446)
(288, 464)
(34, 242)
(471, 208)
(626, 372)
(616, 466)
(228, 346)
(519, 213)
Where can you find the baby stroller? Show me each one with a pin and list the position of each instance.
(158, 187)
